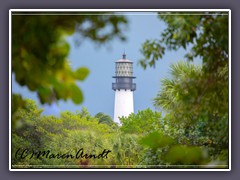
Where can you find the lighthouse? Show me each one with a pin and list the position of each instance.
(123, 87)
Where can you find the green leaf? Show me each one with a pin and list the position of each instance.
(81, 73)
(76, 94)
(180, 154)
(44, 94)
(156, 140)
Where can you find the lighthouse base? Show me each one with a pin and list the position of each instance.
(123, 104)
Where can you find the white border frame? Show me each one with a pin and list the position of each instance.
(114, 10)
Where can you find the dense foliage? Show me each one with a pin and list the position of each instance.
(206, 33)
(40, 50)
(133, 145)
(67, 134)
(195, 98)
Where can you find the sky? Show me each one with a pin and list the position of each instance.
(97, 87)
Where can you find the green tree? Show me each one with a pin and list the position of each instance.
(143, 122)
(195, 116)
(195, 98)
(25, 134)
(40, 50)
(163, 151)
(206, 35)
(104, 118)
(65, 134)
(84, 113)
(127, 150)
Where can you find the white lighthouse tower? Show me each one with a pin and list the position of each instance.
(123, 88)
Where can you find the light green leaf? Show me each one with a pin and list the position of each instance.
(81, 73)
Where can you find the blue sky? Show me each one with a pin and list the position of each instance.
(98, 94)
